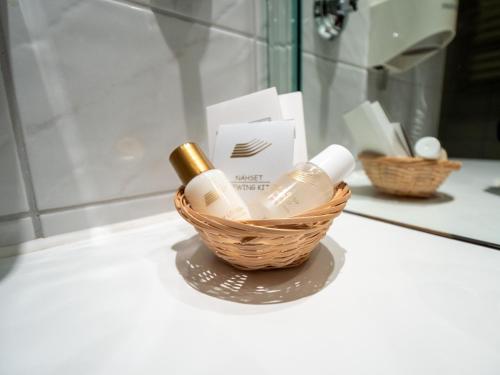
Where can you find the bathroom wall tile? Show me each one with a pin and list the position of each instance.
(102, 214)
(261, 19)
(350, 47)
(12, 190)
(16, 231)
(106, 89)
(416, 107)
(237, 15)
(330, 89)
(428, 73)
(426, 115)
(262, 66)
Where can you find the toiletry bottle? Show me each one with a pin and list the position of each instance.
(308, 185)
(207, 189)
(430, 148)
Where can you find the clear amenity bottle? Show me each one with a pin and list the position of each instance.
(308, 185)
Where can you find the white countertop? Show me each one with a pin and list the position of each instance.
(382, 300)
(467, 204)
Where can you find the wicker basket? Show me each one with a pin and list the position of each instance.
(265, 244)
(414, 177)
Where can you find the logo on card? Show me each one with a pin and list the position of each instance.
(210, 197)
(245, 150)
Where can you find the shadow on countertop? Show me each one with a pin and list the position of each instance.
(495, 190)
(370, 191)
(8, 260)
(206, 273)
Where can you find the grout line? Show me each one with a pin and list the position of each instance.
(14, 113)
(12, 217)
(254, 23)
(183, 17)
(105, 202)
(341, 62)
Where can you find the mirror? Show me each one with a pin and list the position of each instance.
(434, 68)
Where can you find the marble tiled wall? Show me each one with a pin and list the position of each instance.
(15, 219)
(94, 95)
(335, 79)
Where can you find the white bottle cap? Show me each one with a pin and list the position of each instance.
(428, 148)
(337, 162)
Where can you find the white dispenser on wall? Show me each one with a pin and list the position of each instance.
(404, 33)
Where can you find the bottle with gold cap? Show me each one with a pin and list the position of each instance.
(207, 189)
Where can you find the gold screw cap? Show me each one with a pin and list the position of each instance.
(189, 161)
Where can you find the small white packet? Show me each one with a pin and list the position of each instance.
(252, 157)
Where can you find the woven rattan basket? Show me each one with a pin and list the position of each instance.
(265, 244)
(414, 177)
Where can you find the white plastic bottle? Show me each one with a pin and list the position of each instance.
(430, 148)
(207, 189)
(308, 185)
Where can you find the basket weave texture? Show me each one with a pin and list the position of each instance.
(414, 177)
(265, 244)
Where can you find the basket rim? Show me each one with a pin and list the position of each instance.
(408, 160)
(325, 212)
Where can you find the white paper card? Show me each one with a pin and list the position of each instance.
(254, 156)
(389, 130)
(372, 131)
(401, 137)
(260, 106)
(292, 108)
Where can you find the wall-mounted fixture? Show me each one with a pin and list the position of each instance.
(331, 16)
(404, 33)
